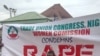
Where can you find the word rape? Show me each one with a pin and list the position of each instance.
(77, 50)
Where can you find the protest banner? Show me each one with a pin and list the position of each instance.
(69, 37)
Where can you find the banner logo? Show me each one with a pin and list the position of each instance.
(12, 32)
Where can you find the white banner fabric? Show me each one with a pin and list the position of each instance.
(69, 37)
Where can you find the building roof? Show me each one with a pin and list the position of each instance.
(56, 10)
(26, 18)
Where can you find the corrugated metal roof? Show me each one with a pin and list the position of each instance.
(58, 11)
(26, 17)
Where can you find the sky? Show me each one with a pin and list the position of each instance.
(75, 7)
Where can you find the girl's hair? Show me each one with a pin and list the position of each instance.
(51, 52)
